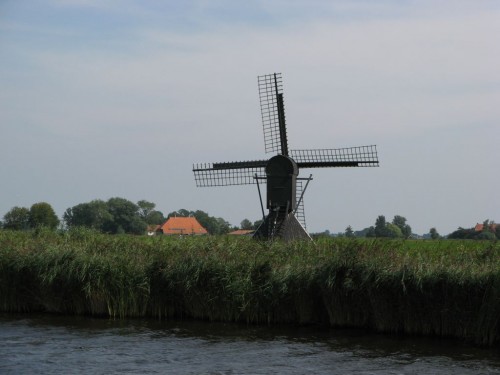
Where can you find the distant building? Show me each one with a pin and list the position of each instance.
(153, 229)
(242, 232)
(480, 227)
(183, 226)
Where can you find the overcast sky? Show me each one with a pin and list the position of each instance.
(118, 98)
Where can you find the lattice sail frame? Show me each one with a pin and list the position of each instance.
(362, 156)
(273, 113)
(243, 172)
(206, 175)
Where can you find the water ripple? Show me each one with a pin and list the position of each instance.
(61, 345)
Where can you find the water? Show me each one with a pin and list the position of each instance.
(62, 345)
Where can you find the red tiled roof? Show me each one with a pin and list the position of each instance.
(183, 225)
(480, 227)
(241, 232)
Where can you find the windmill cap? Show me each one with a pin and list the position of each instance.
(281, 165)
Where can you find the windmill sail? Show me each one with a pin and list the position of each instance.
(273, 113)
(363, 156)
(225, 174)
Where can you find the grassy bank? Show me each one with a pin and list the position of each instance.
(441, 288)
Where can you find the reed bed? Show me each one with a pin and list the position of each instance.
(439, 288)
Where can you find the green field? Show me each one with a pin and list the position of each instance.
(441, 288)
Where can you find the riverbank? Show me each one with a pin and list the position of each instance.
(435, 288)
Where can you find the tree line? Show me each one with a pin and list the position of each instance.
(114, 216)
(398, 228)
(489, 231)
(119, 215)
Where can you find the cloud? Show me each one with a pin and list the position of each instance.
(142, 102)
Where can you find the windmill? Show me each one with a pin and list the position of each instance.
(285, 190)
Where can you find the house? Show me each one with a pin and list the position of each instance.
(153, 229)
(242, 232)
(480, 227)
(182, 226)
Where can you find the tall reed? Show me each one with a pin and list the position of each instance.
(441, 288)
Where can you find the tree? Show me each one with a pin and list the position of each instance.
(497, 231)
(181, 213)
(117, 215)
(349, 232)
(362, 232)
(213, 225)
(434, 234)
(486, 235)
(393, 231)
(125, 217)
(246, 224)
(148, 213)
(91, 215)
(17, 218)
(145, 208)
(155, 218)
(257, 224)
(462, 233)
(400, 222)
(380, 227)
(370, 232)
(223, 227)
(42, 215)
(487, 226)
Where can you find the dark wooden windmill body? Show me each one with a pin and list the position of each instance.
(285, 189)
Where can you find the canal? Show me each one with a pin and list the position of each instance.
(48, 344)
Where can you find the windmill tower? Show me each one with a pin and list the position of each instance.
(285, 190)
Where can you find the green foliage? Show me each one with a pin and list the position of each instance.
(462, 233)
(214, 225)
(368, 232)
(393, 231)
(246, 224)
(349, 233)
(490, 231)
(490, 227)
(444, 288)
(381, 227)
(257, 224)
(397, 229)
(400, 222)
(42, 215)
(39, 215)
(91, 215)
(148, 213)
(318, 235)
(433, 233)
(125, 217)
(486, 235)
(145, 208)
(155, 218)
(18, 218)
(115, 216)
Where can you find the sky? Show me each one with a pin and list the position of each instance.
(108, 98)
